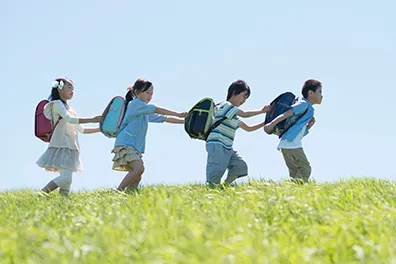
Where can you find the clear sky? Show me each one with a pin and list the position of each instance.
(195, 49)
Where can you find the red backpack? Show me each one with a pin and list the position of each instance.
(43, 127)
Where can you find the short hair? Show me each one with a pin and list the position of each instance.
(310, 85)
(238, 87)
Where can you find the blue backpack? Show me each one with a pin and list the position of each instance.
(112, 117)
(278, 106)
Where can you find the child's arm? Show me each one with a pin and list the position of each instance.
(248, 128)
(311, 123)
(270, 126)
(164, 111)
(91, 130)
(62, 111)
(174, 120)
(253, 113)
(297, 108)
(95, 119)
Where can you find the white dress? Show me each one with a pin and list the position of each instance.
(63, 150)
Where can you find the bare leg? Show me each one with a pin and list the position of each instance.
(50, 187)
(132, 179)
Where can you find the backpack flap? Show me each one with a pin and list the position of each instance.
(278, 106)
(113, 116)
(200, 119)
(43, 127)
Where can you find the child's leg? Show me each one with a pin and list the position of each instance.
(290, 162)
(63, 181)
(237, 168)
(298, 164)
(303, 166)
(132, 179)
(49, 187)
(217, 162)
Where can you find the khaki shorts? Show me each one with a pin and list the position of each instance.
(123, 156)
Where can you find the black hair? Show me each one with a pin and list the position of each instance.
(141, 85)
(54, 90)
(310, 85)
(238, 87)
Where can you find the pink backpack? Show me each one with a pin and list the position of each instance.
(43, 127)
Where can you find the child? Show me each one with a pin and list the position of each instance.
(63, 153)
(291, 141)
(221, 155)
(131, 139)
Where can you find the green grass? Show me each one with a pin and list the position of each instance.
(259, 222)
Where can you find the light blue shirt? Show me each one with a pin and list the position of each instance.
(135, 124)
(298, 108)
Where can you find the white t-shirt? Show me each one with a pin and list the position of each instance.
(65, 133)
(296, 143)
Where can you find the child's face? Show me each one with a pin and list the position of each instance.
(147, 95)
(316, 97)
(67, 91)
(239, 99)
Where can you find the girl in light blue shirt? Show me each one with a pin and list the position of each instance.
(131, 140)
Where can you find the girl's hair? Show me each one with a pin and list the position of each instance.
(141, 85)
(54, 90)
(238, 87)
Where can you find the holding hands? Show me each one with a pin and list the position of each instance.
(182, 114)
(265, 109)
(97, 119)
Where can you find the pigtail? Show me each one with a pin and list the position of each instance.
(129, 95)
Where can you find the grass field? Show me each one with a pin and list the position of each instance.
(258, 222)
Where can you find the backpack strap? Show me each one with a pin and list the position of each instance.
(54, 125)
(303, 114)
(216, 124)
(57, 122)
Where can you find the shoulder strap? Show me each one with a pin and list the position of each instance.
(298, 118)
(54, 125)
(216, 124)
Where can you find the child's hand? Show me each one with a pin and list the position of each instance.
(268, 128)
(265, 109)
(182, 114)
(97, 119)
(311, 123)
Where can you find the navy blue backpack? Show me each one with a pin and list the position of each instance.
(278, 106)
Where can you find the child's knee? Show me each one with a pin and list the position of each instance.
(138, 168)
(239, 168)
(64, 180)
(307, 171)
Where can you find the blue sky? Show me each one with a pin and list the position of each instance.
(191, 50)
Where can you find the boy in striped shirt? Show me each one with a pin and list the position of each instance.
(221, 155)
